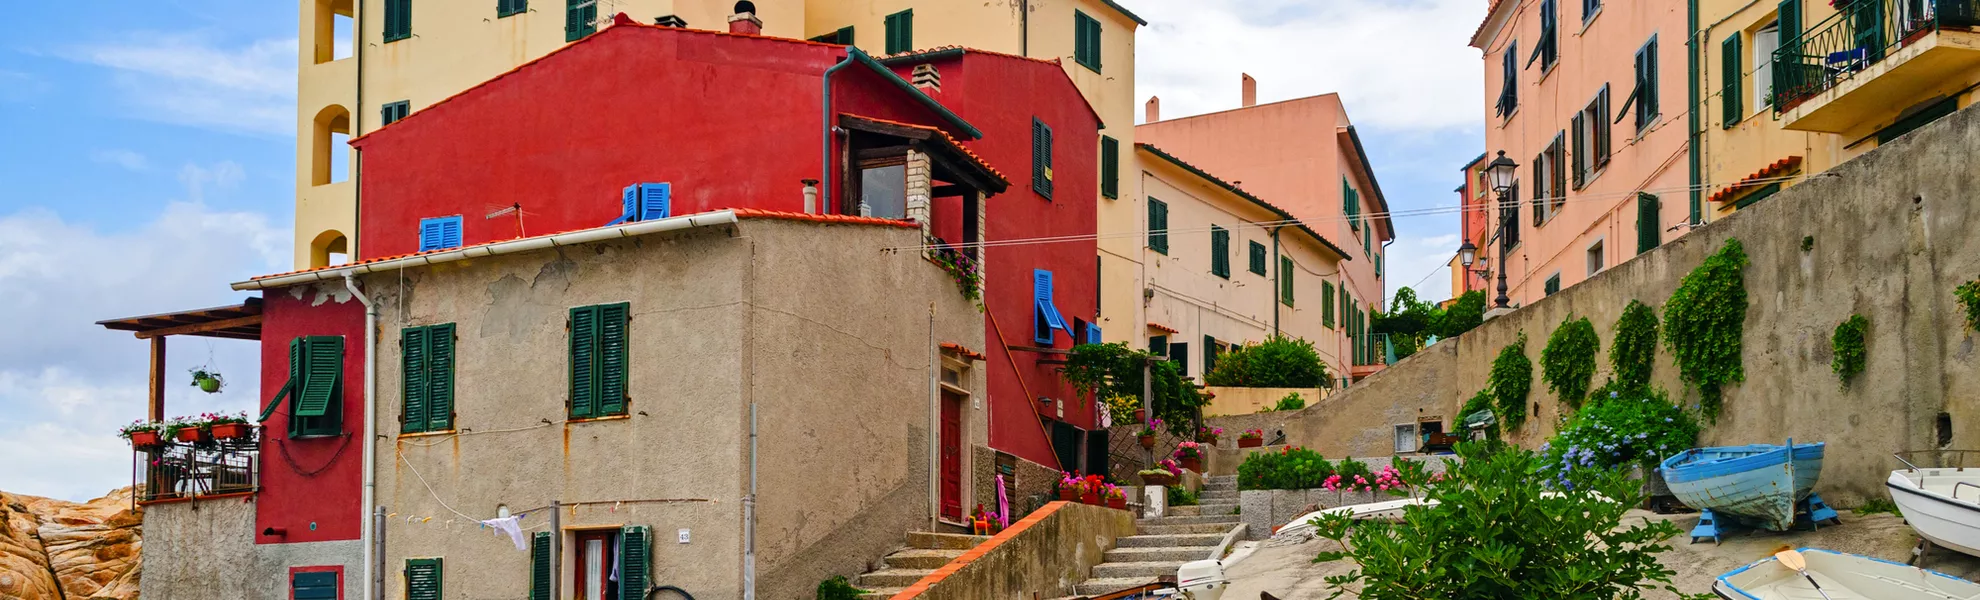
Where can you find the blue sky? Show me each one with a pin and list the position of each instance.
(147, 155)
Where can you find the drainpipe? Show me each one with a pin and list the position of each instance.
(1276, 289)
(371, 557)
(935, 424)
(1691, 114)
(825, 141)
(357, 158)
(1024, 28)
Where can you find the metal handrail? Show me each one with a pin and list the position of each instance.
(1860, 34)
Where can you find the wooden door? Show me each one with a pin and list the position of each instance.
(952, 409)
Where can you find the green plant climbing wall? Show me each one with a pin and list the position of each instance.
(1849, 349)
(1567, 364)
(1510, 381)
(1703, 322)
(1634, 351)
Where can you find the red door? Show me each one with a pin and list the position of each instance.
(594, 565)
(952, 408)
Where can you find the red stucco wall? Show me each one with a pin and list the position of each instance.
(315, 480)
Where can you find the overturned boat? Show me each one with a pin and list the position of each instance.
(1763, 484)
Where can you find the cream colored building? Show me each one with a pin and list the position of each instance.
(403, 63)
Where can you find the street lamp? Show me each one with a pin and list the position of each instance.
(1467, 254)
(1501, 172)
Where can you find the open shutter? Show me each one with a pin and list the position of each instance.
(1557, 154)
(584, 362)
(635, 568)
(413, 353)
(1729, 93)
(539, 566)
(1649, 102)
(423, 579)
(655, 200)
(1576, 124)
(612, 322)
(1601, 130)
(628, 204)
(1286, 280)
(1649, 229)
(324, 368)
(1041, 158)
(440, 377)
(1041, 281)
(1092, 333)
(1327, 304)
(1110, 167)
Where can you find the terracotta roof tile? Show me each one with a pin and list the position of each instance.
(1757, 179)
(1160, 327)
(962, 351)
(945, 135)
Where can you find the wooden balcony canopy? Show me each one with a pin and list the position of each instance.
(238, 322)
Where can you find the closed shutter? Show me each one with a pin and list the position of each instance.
(423, 579)
(1257, 258)
(1158, 345)
(1540, 180)
(412, 374)
(1086, 40)
(1041, 158)
(1729, 94)
(655, 201)
(398, 20)
(1209, 355)
(539, 566)
(1601, 130)
(1158, 226)
(612, 354)
(314, 585)
(1327, 304)
(580, 18)
(1652, 106)
(1286, 280)
(1350, 205)
(505, 8)
(323, 370)
(635, 555)
(1220, 252)
(1557, 158)
(1649, 229)
(900, 32)
(1578, 137)
(584, 362)
(440, 378)
(1110, 167)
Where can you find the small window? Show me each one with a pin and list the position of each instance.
(1041, 158)
(1509, 80)
(580, 19)
(1645, 95)
(1110, 167)
(1351, 204)
(504, 8)
(439, 233)
(598, 360)
(844, 37)
(1589, 8)
(1210, 348)
(1553, 284)
(1546, 51)
(1595, 258)
(315, 585)
(1158, 225)
(1591, 138)
(1550, 181)
(1649, 225)
(1086, 41)
(398, 20)
(1406, 438)
(883, 191)
(900, 32)
(1286, 280)
(423, 579)
(391, 113)
(426, 370)
(315, 386)
(1179, 354)
(1158, 345)
(1730, 77)
(1220, 252)
(1258, 257)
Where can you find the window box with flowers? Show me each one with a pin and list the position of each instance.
(1069, 487)
(144, 435)
(190, 430)
(1190, 456)
(1208, 435)
(1251, 438)
(966, 272)
(230, 427)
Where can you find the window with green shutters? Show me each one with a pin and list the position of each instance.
(1327, 304)
(1646, 85)
(1286, 280)
(635, 556)
(423, 579)
(580, 19)
(1220, 252)
(1649, 228)
(398, 20)
(315, 388)
(1158, 225)
(1351, 204)
(1086, 41)
(598, 360)
(1553, 285)
(1209, 355)
(504, 8)
(1110, 167)
(391, 112)
(1258, 258)
(843, 37)
(1378, 263)
(1785, 75)
(1347, 307)
(426, 366)
(539, 566)
(1730, 98)
(1158, 345)
(900, 32)
(1041, 158)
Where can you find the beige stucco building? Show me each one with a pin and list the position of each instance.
(403, 63)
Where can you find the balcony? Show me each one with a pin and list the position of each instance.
(182, 471)
(1871, 60)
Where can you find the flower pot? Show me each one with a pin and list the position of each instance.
(1250, 442)
(190, 434)
(1147, 441)
(1191, 463)
(1207, 440)
(144, 439)
(1092, 498)
(1068, 494)
(232, 431)
(209, 385)
(1117, 503)
(1141, 415)
(1162, 479)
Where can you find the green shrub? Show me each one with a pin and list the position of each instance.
(1279, 361)
(1878, 505)
(1567, 364)
(1619, 427)
(1292, 468)
(1178, 496)
(1849, 350)
(1350, 468)
(1292, 401)
(1969, 298)
(1464, 314)
(1510, 381)
(1113, 370)
(1703, 323)
(1634, 351)
(836, 588)
(1496, 533)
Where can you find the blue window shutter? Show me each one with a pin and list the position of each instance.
(1092, 333)
(1042, 296)
(450, 232)
(429, 235)
(655, 200)
(628, 205)
(439, 233)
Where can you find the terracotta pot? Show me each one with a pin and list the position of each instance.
(1163, 479)
(1147, 441)
(190, 434)
(1090, 497)
(144, 439)
(232, 431)
(1191, 463)
(1207, 440)
(1117, 503)
(1069, 494)
(1141, 415)
(1250, 442)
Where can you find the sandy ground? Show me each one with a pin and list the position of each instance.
(1288, 571)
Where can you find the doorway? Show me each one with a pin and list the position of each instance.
(952, 409)
(597, 572)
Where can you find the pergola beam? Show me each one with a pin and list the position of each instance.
(207, 327)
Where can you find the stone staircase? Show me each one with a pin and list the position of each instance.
(1159, 546)
(925, 553)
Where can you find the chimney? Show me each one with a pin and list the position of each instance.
(1250, 91)
(926, 77)
(671, 21)
(810, 196)
(744, 22)
(1154, 109)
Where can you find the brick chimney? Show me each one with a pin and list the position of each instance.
(744, 22)
(926, 77)
(1154, 110)
(1250, 91)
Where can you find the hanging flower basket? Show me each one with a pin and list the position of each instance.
(208, 381)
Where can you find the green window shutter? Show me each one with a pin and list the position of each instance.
(1378, 264)
(423, 579)
(1158, 226)
(398, 20)
(1729, 94)
(1110, 167)
(1158, 345)
(440, 377)
(1257, 258)
(323, 370)
(584, 362)
(413, 353)
(612, 322)
(504, 8)
(1041, 158)
(1086, 40)
(1209, 355)
(635, 552)
(1220, 252)
(1327, 304)
(1649, 229)
(1553, 285)
(900, 32)
(1286, 280)
(539, 566)
(580, 19)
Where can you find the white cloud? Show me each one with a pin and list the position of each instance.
(189, 81)
(1418, 262)
(122, 158)
(1402, 64)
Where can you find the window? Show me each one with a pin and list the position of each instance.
(1257, 258)
(580, 19)
(505, 8)
(598, 360)
(1649, 228)
(1041, 158)
(1553, 284)
(1086, 41)
(1406, 438)
(1591, 138)
(1158, 225)
(1220, 252)
(1765, 41)
(883, 191)
(426, 366)
(1547, 49)
(1645, 95)
(1509, 210)
(649, 201)
(1378, 263)
(1550, 181)
(1286, 280)
(610, 563)
(1351, 204)
(315, 585)
(1367, 237)
(843, 37)
(1110, 167)
(1179, 354)
(1595, 258)
(439, 233)
(1327, 304)
(1757, 195)
(398, 20)
(1790, 42)
(1045, 315)
(900, 32)
(1729, 78)
(315, 387)
(423, 579)
(1158, 345)
(1347, 307)
(1589, 8)
(391, 113)
(1509, 80)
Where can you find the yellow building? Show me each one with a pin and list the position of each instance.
(410, 54)
(1792, 88)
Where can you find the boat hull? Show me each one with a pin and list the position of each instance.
(1943, 509)
(1843, 577)
(1759, 484)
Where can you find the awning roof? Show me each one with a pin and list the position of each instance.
(238, 322)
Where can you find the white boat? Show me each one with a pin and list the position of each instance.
(1843, 577)
(1943, 505)
(1388, 511)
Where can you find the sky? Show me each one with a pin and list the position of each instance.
(147, 160)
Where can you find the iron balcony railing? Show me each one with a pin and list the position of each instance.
(177, 470)
(1858, 35)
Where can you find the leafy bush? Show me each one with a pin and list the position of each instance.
(1293, 468)
(1969, 298)
(1292, 401)
(1409, 322)
(1848, 345)
(1618, 428)
(1112, 370)
(1279, 361)
(1634, 351)
(1511, 379)
(1349, 469)
(836, 588)
(1567, 364)
(1463, 315)
(1878, 505)
(1178, 496)
(1496, 533)
(1703, 322)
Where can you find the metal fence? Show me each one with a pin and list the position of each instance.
(176, 470)
(1858, 35)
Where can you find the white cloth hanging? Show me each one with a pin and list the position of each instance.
(510, 525)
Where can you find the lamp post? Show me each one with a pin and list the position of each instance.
(1500, 172)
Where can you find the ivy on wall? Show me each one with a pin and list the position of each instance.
(1702, 325)
(1115, 370)
(1567, 364)
(1510, 381)
(1848, 344)
(1634, 351)
(1969, 297)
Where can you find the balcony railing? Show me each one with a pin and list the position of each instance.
(176, 470)
(1861, 33)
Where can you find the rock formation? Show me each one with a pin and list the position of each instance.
(57, 550)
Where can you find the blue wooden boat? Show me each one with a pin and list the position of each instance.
(1762, 484)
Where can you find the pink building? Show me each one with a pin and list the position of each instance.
(1588, 96)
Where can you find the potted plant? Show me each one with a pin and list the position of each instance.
(1116, 499)
(207, 381)
(142, 434)
(230, 427)
(185, 429)
(1251, 438)
(1165, 473)
(1069, 485)
(1209, 435)
(1147, 435)
(1190, 456)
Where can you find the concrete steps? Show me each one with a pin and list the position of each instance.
(1161, 545)
(1205, 509)
(926, 552)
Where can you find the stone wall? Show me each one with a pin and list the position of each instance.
(1264, 510)
(1245, 401)
(56, 549)
(1893, 232)
(1044, 556)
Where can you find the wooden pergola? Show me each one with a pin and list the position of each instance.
(238, 322)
